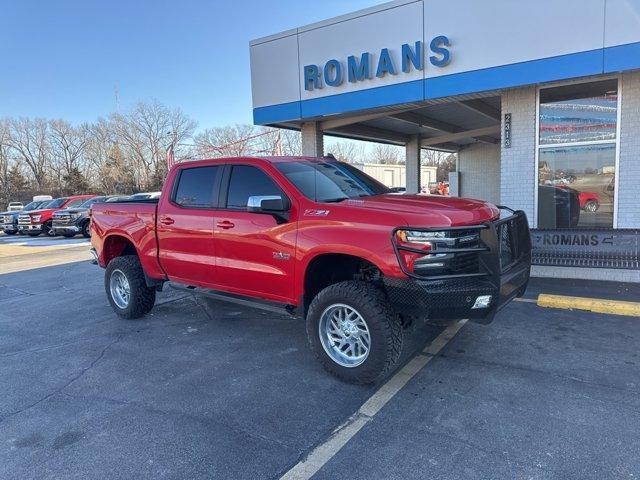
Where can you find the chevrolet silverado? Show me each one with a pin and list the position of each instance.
(318, 238)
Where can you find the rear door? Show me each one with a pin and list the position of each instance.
(255, 251)
(185, 226)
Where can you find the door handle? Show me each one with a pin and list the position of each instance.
(167, 221)
(226, 224)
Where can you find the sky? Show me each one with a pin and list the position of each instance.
(72, 59)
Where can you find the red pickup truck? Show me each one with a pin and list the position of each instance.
(318, 238)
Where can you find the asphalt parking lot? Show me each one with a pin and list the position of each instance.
(203, 389)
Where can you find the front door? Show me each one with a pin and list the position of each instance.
(255, 251)
(185, 226)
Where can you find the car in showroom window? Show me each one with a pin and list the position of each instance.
(578, 129)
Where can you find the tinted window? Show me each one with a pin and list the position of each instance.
(57, 203)
(34, 205)
(196, 187)
(330, 181)
(248, 182)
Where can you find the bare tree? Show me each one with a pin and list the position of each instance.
(231, 141)
(347, 151)
(29, 139)
(386, 154)
(144, 135)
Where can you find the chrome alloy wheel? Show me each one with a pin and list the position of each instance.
(344, 335)
(120, 289)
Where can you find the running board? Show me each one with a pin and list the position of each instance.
(274, 307)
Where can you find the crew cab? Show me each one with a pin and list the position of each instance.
(9, 219)
(320, 239)
(73, 220)
(35, 222)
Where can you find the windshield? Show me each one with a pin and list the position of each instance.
(34, 205)
(57, 203)
(330, 181)
(91, 201)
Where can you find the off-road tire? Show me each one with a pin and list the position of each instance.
(142, 298)
(384, 326)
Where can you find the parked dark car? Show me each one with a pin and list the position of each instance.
(71, 221)
(9, 220)
(558, 207)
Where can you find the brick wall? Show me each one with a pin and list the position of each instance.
(517, 164)
(479, 167)
(629, 166)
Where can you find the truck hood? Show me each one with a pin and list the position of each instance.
(431, 210)
(72, 210)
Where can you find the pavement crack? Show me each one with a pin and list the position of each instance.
(203, 308)
(58, 390)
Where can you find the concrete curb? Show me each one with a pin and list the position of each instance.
(598, 305)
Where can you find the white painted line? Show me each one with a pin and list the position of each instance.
(324, 452)
(526, 300)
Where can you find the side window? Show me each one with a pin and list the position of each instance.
(247, 182)
(197, 187)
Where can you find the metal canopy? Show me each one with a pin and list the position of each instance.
(444, 125)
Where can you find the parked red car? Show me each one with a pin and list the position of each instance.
(589, 201)
(35, 222)
(320, 238)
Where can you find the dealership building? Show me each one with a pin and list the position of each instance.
(540, 100)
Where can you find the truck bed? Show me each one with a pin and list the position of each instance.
(115, 224)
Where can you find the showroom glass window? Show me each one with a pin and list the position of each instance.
(578, 129)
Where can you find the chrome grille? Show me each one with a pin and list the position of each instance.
(24, 219)
(62, 219)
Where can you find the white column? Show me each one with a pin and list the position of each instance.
(312, 140)
(413, 164)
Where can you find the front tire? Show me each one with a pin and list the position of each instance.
(86, 232)
(48, 231)
(68, 235)
(10, 232)
(353, 332)
(127, 291)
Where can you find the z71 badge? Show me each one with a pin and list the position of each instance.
(312, 212)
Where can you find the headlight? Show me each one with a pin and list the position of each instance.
(77, 215)
(36, 218)
(415, 236)
(420, 257)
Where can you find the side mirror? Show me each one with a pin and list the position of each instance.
(270, 204)
(266, 204)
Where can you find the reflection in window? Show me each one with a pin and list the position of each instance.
(584, 112)
(577, 155)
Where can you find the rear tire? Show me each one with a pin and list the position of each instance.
(352, 312)
(126, 288)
